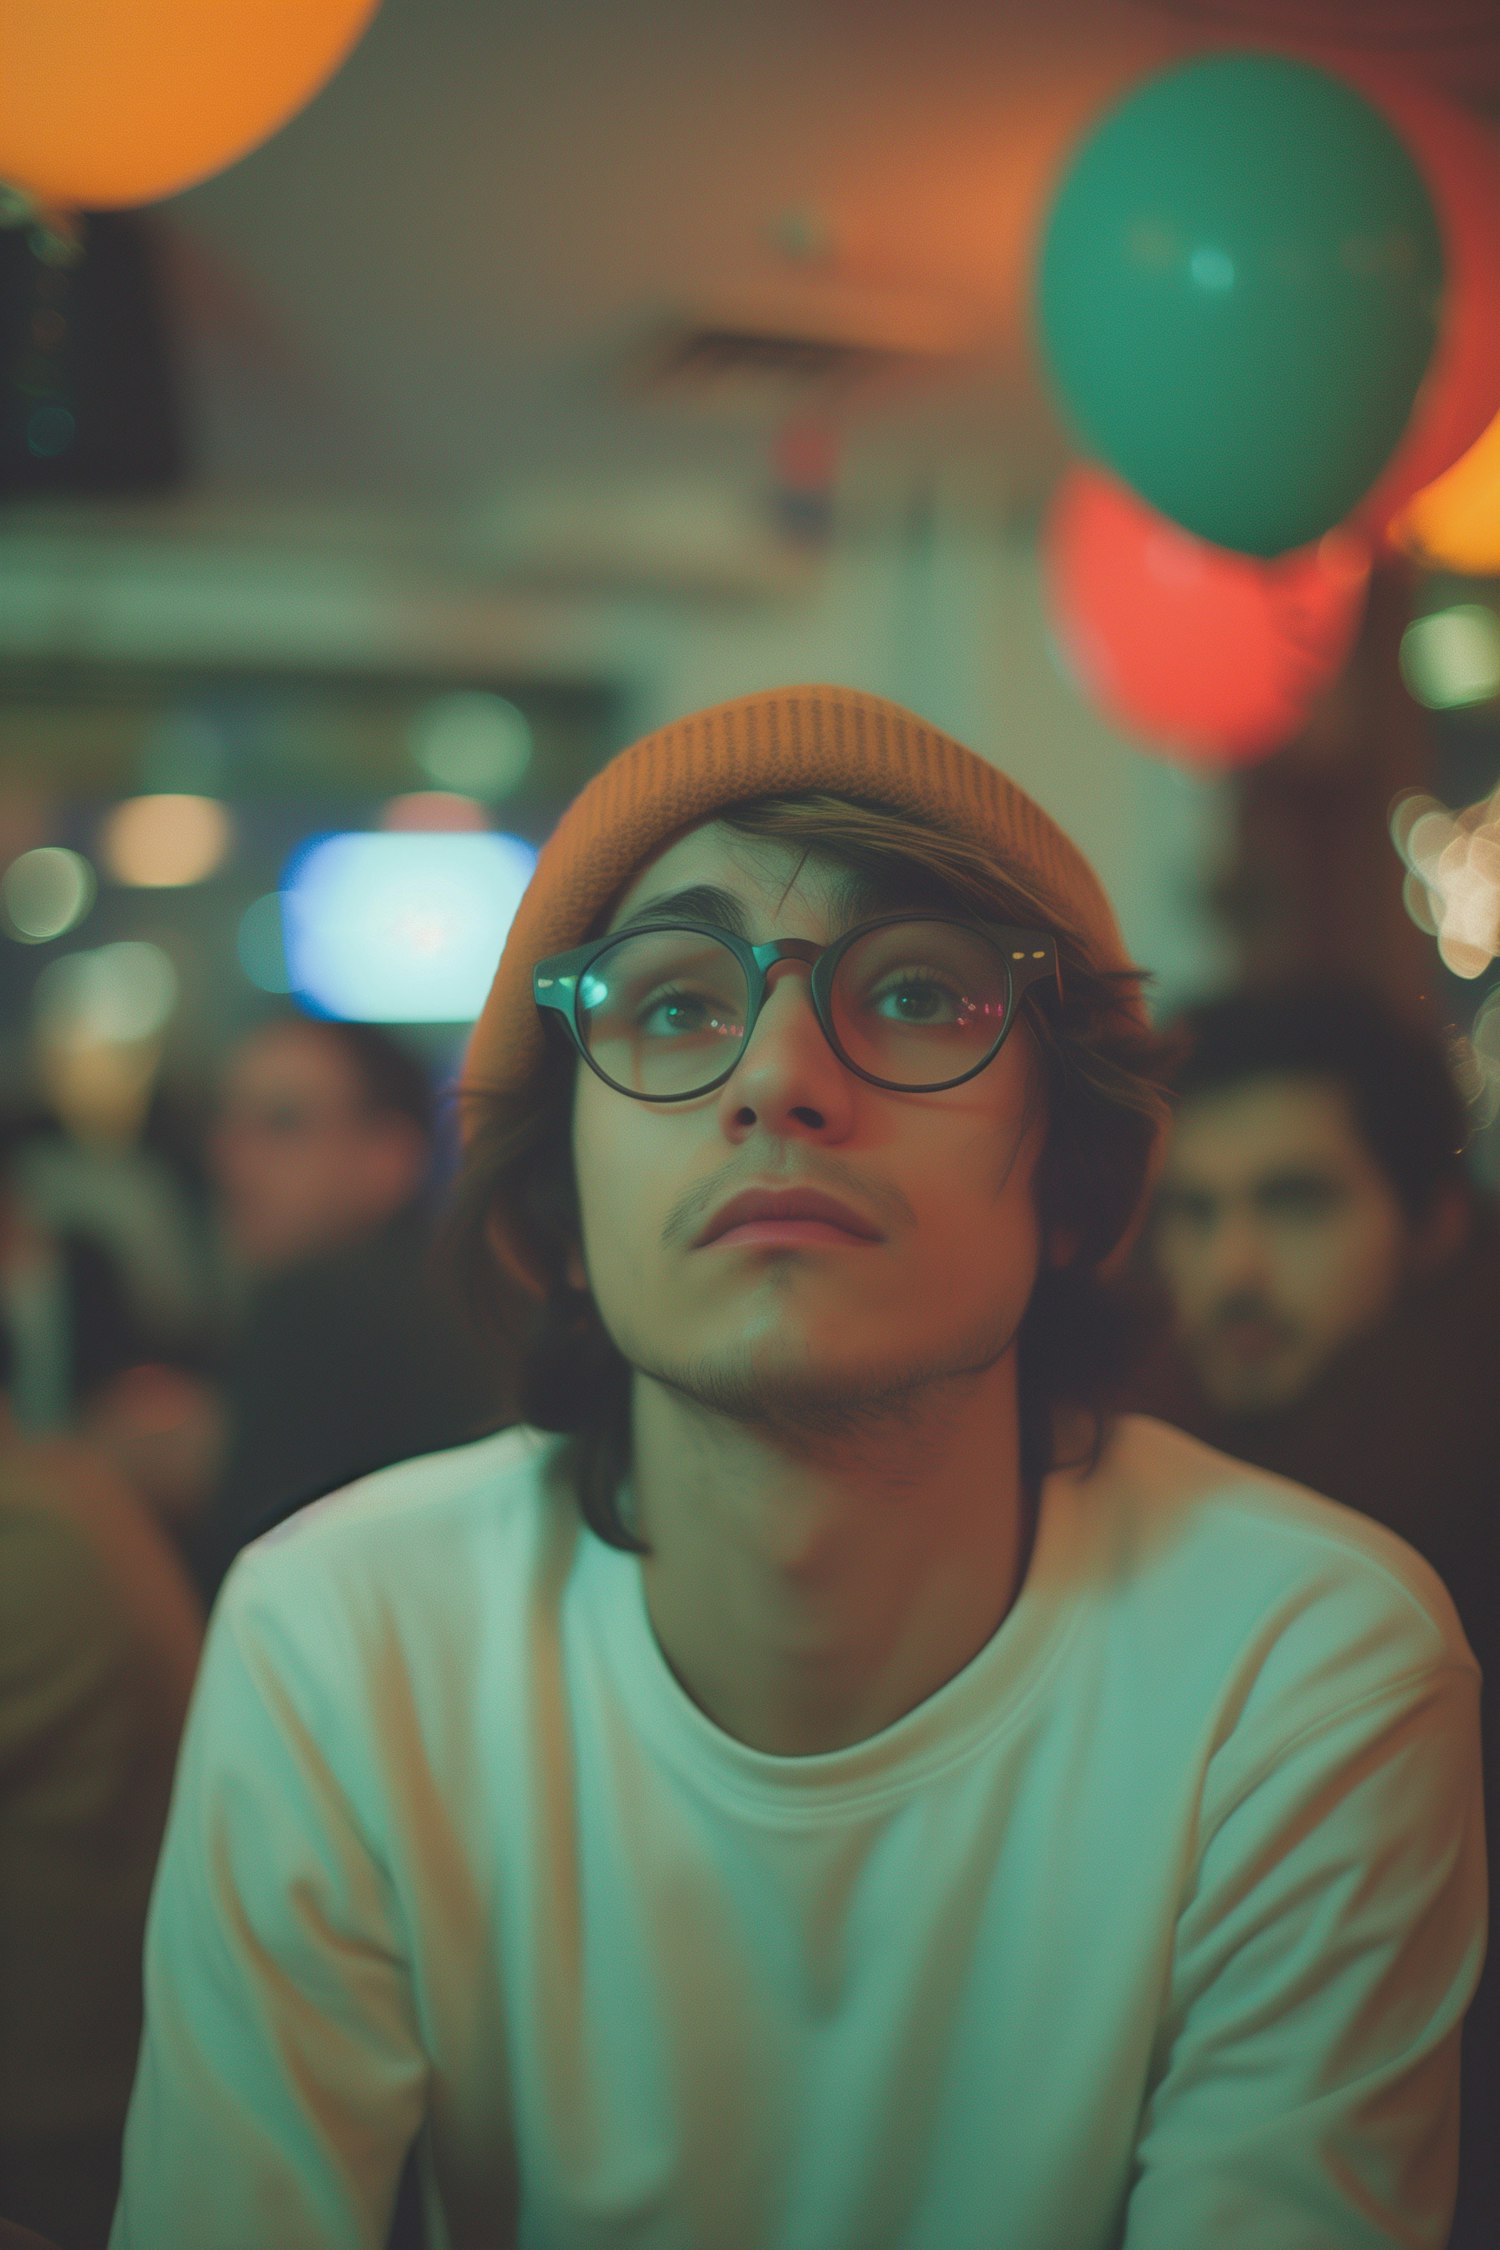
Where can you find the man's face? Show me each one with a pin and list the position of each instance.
(299, 1162)
(1278, 1235)
(812, 1338)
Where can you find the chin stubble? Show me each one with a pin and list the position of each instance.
(809, 1411)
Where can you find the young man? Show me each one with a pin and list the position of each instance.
(1333, 1285)
(843, 1791)
(1315, 1180)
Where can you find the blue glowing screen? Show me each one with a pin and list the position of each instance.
(400, 928)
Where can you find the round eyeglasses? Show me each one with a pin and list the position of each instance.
(916, 1003)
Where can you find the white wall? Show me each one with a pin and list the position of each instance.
(946, 616)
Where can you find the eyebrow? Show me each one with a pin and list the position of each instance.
(852, 895)
(1300, 1179)
(699, 902)
(1295, 1179)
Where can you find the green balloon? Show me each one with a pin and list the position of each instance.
(1238, 294)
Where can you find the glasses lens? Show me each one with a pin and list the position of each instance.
(663, 1012)
(918, 1003)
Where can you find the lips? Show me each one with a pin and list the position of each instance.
(770, 1204)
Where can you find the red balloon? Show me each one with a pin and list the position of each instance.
(1210, 657)
(1459, 158)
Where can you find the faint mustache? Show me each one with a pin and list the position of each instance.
(1230, 1312)
(878, 1199)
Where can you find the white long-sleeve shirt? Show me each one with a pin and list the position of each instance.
(1153, 1927)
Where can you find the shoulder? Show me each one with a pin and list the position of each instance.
(387, 1622)
(397, 1252)
(52, 1583)
(431, 1527)
(377, 1296)
(328, 1286)
(88, 1583)
(1240, 1561)
(61, 1499)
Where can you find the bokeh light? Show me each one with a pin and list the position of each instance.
(261, 944)
(1452, 656)
(113, 995)
(401, 928)
(165, 842)
(1455, 523)
(434, 812)
(473, 742)
(1452, 887)
(47, 892)
(1480, 1060)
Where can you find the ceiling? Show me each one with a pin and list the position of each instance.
(418, 327)
(434, 287)
(430, 298)
(420, 324)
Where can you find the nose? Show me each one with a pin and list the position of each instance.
(788, 1079)
(1236, 1249)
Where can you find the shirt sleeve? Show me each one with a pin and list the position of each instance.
(1305, 2089)
(282, 2077)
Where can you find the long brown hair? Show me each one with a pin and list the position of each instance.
(513, 1215)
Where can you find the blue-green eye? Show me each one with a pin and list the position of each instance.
(915, 999)
(678, 1014)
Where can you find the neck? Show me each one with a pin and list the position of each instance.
(808, 1593)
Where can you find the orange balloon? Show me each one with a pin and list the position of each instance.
(106, 102)
(1455, 523)
(1210, 657)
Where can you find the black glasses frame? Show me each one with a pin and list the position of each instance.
(1028, 957)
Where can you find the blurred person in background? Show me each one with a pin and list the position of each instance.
(98, 1172)
(13, 2237)
(63, 1298)
(95, 1355)
(100, 1630)
(1332, 1287)
(348, 1355)
(160, 1422)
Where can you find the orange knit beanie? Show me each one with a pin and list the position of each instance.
(781, 742)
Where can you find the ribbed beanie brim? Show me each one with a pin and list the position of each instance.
(782, 742)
